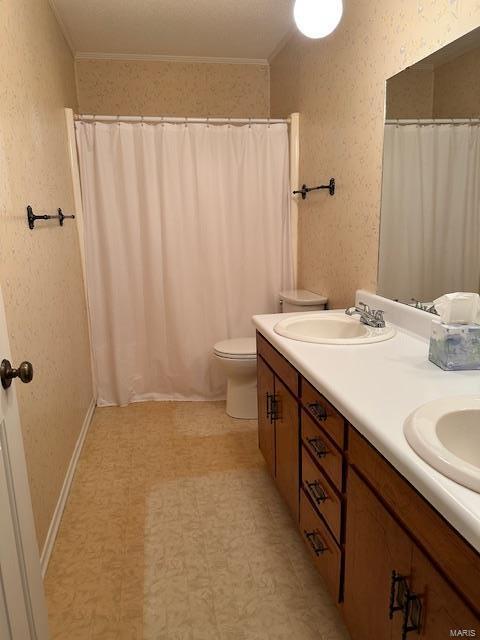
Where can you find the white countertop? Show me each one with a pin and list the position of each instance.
(376, 386)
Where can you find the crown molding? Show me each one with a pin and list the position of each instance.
(87, 55)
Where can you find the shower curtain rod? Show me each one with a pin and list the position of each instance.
(176, 120)
(421, 121)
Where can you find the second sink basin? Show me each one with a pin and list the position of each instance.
(331, 328)
(446, 434)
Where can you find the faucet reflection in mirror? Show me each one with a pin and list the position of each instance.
(430, 215)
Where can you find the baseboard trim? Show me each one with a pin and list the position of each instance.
(67, 483)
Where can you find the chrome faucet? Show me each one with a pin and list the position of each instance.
(371, 317)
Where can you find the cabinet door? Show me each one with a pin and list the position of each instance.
(375, 547)
(443, 613)
(286, 446)
(266, 431)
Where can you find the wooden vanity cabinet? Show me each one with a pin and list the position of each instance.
(375, 547)
(266, 427)
(278, 420)
(396, 541)
(395, 567)
(286, 446)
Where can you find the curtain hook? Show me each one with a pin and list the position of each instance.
(118, 120)
(142, 120)
(269, 123)
(186, 122)
(208, 122)
(249, 123)
(162, 121)
(229, 123)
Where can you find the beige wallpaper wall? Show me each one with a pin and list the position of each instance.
(457, 87)
(410, 94)
(338, 86)
(113, 87)
(40, 270)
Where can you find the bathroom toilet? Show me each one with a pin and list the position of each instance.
(298, 300)
(238, 357)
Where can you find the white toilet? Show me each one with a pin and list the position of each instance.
(238, 357)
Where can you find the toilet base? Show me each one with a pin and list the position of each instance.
(242, 398)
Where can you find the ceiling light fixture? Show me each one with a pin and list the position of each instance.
(317, 18)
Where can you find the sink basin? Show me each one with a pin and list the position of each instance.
(331, 328)
(446, 434)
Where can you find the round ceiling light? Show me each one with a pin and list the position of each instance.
(317, 18)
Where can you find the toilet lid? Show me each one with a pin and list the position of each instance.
(244, 348)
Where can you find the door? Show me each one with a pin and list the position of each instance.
(286, 446)
(442, 613)
(266, 400)
(376, 546)
(23, 614)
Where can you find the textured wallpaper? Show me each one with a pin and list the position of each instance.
(338, 86)
(457, 87)
(113, 87)
(40, 270)
(410, 94)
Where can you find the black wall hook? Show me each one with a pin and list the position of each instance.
(32, 217)
(304, 190)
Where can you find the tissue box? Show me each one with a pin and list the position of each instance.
(455, 347)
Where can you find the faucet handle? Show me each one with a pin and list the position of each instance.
(364, 306)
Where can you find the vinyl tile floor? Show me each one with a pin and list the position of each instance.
(174, 530)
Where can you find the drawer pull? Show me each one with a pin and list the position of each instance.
(319, 447)
(317, 491)
(408, 603)
(318, 411)
(315, 542)
(398, 588)
(272, 407)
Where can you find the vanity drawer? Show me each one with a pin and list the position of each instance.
(278, 363)
(323, 451)
(327, 555)
(324, 413)
(325, 499)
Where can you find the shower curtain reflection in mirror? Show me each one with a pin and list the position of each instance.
(430, 219)
(187, 235)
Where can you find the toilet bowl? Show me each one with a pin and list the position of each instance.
(238, 359)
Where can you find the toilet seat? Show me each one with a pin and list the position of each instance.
(236, 349)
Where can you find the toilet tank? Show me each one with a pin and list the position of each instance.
(301, 300)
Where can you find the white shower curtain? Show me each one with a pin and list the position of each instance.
(187, 233)
(430, 222)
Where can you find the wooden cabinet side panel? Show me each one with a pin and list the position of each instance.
(375, 546)
(266, 430)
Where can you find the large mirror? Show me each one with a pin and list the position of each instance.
(430, 216)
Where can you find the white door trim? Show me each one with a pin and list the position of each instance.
(28, 599)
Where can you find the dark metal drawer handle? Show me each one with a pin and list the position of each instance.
(318, 411)
(273, 406)
(401, 599)
(316, 542)
(318, 446)
(398, 587)
(317, 491)
(412, 615)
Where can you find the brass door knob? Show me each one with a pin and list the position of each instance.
(8, 373)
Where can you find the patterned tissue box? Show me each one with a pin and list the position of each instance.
(455, 347)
